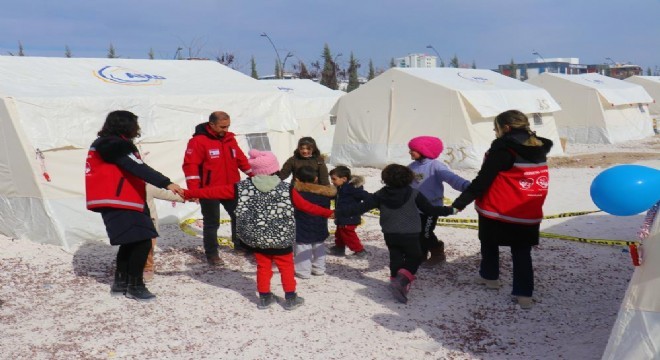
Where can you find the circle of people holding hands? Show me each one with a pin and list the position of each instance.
(286, 223)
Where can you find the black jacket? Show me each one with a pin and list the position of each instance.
(349, 195)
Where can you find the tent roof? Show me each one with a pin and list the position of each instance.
(304, 88)
(24, 76)
(615, 91)
(488, 92)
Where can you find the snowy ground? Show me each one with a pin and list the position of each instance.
(56, 304)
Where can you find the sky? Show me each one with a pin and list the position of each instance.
(486, 32)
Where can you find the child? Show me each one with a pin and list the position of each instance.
(399, 206)
(510, 215)
(349, 193)
(265, 222)
(155, 193)
(429, 176)
(311, 231)
(307, 154)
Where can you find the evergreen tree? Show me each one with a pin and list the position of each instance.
(20, 49)
(304, 73)
(514, 69)
(278, 71)
(353, 82)
(111, 52)
(648, 71)
(253, 68)
(67, 51)
(474, 64)
(329, 72)
(372, 72)
(151, 54)
(454, 62)
(392, 63)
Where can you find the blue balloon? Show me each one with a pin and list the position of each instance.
(625, 190)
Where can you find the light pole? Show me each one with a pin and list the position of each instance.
(436, 52)
(176, 54)
(288, 55)
(279, 60)
(534, 52)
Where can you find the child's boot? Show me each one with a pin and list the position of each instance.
(120, 285)
(337, 250)
(265, 301)
(137, 290)
(400, 285)
(437, 256)
(293, 302)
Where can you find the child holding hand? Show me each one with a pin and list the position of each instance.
(306, 154)
(265, 222)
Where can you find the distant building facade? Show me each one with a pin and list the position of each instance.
(416, 61)
(569, 66)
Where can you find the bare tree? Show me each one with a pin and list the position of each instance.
(20, 49)
(194, 47)
(151, 54)
(67, 51)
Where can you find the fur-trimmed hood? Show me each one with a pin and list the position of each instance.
(323, 190)
(357, 180)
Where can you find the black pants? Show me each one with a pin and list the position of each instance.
(523, 272)
(428, 240)
(211, 217)
(404, 252)
(132, 257)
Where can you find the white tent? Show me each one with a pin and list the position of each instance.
(598, 109)
(376, 121)
(311, 103)
(636, 331)
(52, 108)
(652, 86)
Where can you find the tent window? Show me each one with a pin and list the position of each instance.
(258, 141)
(538, 119)
(333, 119)
(641, 108)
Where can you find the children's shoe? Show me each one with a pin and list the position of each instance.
(437, 258)
(525, 302)
(337, 250)
(318, 273)
(303, 276)
(293, 302)
(360, 254)
(400, 285)
(490, 284)
(136, 290)
(120, 285)
(265, 301)
(214, 260)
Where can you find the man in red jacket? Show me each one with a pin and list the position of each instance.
(214, 158)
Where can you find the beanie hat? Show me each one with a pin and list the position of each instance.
(428, 146)
(263, 162)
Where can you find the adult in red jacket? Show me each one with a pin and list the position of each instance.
(509, 192)
(213, 158)
(115, 187)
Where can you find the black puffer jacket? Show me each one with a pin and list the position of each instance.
(312, 229)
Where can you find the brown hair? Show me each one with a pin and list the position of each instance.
(516, 120)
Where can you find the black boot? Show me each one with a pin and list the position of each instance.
(137, 290)
(120, 285)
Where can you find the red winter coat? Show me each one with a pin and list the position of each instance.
(211, 160)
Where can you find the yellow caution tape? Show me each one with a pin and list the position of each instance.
(185, 226)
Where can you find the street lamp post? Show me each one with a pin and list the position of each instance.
(176, 54)
(288, 55)
(436, 52)
(279, 60)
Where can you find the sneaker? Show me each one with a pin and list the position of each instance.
(337, 250)
(293, 302)
(525, 302)
(265, 301)
(360, 254)
(318, 273)
(214, 260)
(302, 276)
(490, 284)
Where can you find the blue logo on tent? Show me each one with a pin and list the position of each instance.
(478, 79)
(124, 76)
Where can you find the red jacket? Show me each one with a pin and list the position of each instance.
(517, 194)
(108, 186)
(228, 192)
(211, 160)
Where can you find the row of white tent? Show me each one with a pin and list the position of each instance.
(52, 108)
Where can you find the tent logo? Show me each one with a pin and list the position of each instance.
(478, 79)
(124, 76)
(595, 81)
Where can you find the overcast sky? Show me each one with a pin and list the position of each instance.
(488, 32)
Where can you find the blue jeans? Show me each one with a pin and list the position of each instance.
(523, 272)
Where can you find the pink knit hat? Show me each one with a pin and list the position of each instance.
(263, 162)
(428, 146)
